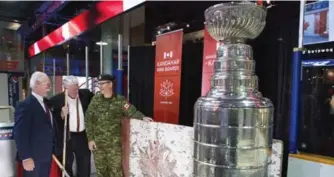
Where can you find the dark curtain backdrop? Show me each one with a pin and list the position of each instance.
(191, 81)
(142, 61)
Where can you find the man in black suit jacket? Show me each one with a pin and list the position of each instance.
(77, 144)
(35, 129)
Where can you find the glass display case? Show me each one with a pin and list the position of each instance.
(316, 131)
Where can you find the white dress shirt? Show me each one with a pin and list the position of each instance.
(72, 108)
(40, 99)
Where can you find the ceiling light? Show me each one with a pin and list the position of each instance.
(101, 43)
(10, 25)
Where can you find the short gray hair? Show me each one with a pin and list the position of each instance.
(37, 76)
(70, 80)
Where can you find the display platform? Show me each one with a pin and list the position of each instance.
(309, 165)
(167, 150)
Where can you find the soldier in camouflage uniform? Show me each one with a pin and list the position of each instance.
(103, 127)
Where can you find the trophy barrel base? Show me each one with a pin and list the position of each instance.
(205, 170)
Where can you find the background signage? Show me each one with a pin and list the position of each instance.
(13, 90)
(209, 56)
(168, 59)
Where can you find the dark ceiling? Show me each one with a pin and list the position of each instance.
(72, 9)
(26, 13)
(18, 11)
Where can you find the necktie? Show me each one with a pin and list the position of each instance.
(47, 112)
(78, 116)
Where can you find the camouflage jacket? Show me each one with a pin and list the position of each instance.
(103, 119)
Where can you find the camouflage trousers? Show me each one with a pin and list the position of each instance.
(108, 163)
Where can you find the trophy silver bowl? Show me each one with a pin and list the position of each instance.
(243, 20)
(233, 123)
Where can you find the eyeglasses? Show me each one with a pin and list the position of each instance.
(103, 83)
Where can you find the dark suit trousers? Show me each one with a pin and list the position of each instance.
(78, 146)
(42, 169)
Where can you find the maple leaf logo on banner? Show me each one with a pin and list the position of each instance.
(167, 88)
(168, 55)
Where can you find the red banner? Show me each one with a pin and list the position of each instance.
(10, 65)
(168, 59)
(209, 56)
(99, 13)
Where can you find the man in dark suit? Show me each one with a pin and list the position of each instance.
(77, 144)
(35, 129)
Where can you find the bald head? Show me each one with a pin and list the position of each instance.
(40, 83)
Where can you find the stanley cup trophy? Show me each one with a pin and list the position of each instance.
(233, 123)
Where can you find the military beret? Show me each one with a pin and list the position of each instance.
(106, 77)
